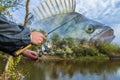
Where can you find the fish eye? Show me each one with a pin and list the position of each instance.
(90, 28)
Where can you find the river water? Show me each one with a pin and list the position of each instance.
(68, 70)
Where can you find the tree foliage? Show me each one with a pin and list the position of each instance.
(6, 6)
(69, 47)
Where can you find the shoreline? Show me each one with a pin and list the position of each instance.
(56, 58)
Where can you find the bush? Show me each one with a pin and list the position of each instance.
(108, 49)
(78, 50)
(68, 50)
(91, 51)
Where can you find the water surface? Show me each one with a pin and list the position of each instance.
(71, 70)
(67, 70)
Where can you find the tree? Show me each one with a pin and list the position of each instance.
(7, 4)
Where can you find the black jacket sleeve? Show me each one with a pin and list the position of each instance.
(12, 36)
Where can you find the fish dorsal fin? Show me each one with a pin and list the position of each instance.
(50, 8)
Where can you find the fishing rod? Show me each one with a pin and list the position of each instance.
(18, 52)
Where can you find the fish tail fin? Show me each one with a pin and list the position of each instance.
(53, 7)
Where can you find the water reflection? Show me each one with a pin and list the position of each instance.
(72, 70)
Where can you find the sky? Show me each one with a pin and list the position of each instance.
(104, 11)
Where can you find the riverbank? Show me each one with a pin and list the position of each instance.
(56, 58)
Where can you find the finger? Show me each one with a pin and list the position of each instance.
(39, 42)
(43, 36)
(30, 55)
(41, 39)
(36, 42)
(34, 54)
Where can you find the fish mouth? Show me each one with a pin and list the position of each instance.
(105, 36)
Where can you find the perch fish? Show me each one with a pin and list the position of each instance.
(51, 14)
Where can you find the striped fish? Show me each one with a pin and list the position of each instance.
(61, 13)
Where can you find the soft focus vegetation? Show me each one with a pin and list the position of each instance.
(69, 47)
(7, 4)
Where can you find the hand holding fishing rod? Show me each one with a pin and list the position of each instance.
(36, 39)
(18, 52)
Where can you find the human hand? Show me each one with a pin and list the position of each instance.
(37, 38)
(32, 55)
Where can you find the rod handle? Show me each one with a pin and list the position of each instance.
(18, 52)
